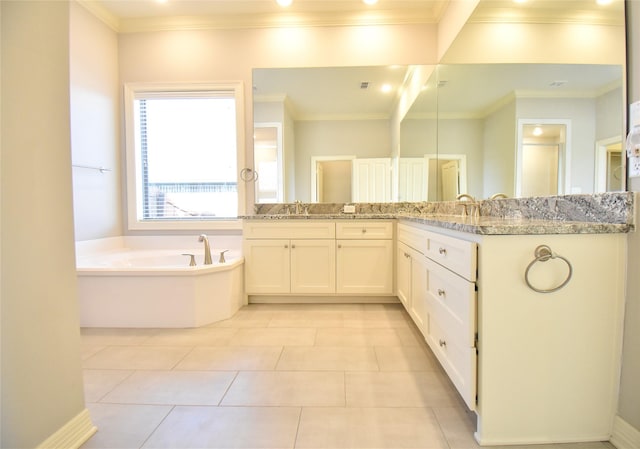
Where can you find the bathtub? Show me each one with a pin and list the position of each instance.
(147, 282)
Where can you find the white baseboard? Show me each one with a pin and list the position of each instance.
(625, 436)
(73, 434)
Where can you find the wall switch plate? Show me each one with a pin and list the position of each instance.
(349, 209)
(634, 167)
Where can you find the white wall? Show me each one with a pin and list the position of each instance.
(499, 143)
(97, 197)
(41, 375)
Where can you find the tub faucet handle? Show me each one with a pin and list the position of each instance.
(192, 261)
(222, 259)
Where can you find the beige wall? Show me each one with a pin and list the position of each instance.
(629, 404)
(41, 373)
(95, 119)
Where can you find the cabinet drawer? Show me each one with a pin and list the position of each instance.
(458, 361)
(455, 254)
(453, 300)
(364, 229)
(289, 229)
(414, 237)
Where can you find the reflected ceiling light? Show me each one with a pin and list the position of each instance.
(386, 88)
(284, 2)
(370, 2)
(519, 1)
(537, 131)
(603, 2)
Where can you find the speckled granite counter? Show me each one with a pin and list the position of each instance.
(567, 214)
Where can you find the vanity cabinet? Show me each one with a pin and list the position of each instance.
(319, 257)
(536, 367)
(364, 257)
(302, 265)
(440, 296)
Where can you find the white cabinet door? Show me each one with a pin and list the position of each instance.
(403, 274)
(365, 267)
(267, 266)
(419, 291)
(313, 266)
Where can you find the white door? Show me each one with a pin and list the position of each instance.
(372, 180)
(412, 179)
(540, 170)
(450, 185)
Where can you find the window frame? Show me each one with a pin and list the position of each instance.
(133, 183)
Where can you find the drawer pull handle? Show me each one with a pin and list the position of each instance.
(441, 292)
(442, 343)
(442, 251)
(542, 254)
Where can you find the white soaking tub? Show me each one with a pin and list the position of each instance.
(147, 281)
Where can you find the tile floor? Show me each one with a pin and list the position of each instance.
(276, 376)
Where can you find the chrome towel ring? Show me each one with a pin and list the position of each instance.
(248, 175)
(542, 254)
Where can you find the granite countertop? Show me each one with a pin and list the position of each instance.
(481, 225)
(602, 213)
(516, 226)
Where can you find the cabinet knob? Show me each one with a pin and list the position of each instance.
(442, 343)
(286, 246)
(339, 246)
(407, 255)
(441, 292)
(442, 251)
(364, 231)
(293, 246)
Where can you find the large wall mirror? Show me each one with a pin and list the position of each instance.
(325, 134)
(519, 130)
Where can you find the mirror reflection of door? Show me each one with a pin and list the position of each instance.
(542, 166)
(610, 165)
(450, 186)
(267, 159)
(331, 178)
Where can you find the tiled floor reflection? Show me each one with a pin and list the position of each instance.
(276, 376)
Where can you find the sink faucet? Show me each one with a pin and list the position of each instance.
(495, 196)
(298, 204)
(475, 207)
(207, 249)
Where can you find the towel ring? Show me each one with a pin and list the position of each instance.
(542, 254)
(248, 175)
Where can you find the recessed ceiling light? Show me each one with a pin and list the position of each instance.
(537, 131)
(284, 2)
(370, 2)
(519, 1)
(386, 88)
(603, 2)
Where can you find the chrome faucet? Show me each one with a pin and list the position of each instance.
(207, 249)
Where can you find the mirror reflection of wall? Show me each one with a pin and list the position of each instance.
(267, 154)
(542, 166)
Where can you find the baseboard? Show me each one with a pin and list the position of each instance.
(624, 436)
(73, 434)
(313, 299)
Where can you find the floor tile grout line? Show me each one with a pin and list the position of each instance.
(295, 439)
(227, 389)
(157, 427)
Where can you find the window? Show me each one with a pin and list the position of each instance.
(184, 146)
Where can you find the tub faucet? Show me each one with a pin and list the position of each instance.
(207, 249)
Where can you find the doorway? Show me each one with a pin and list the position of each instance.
(610, 169)
(268, 162)
(542, 160)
